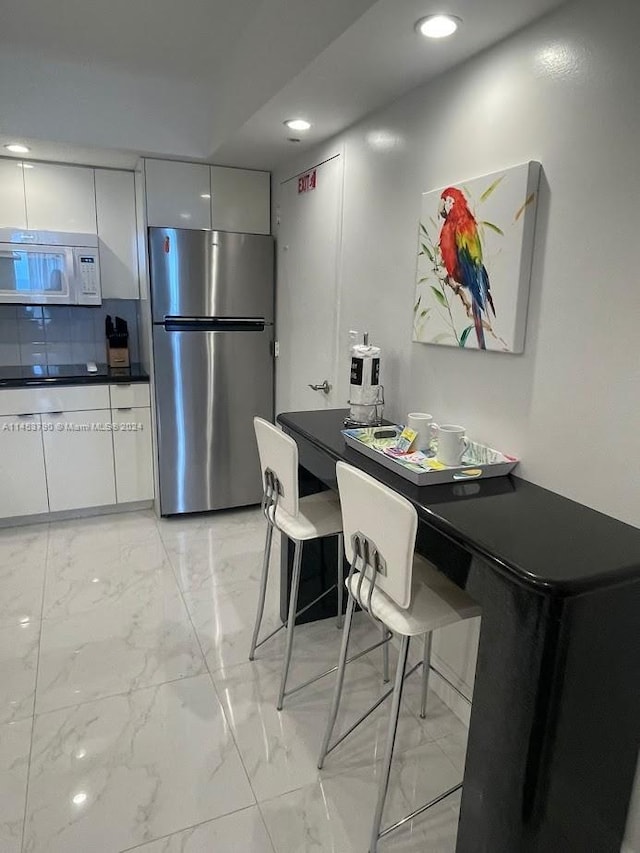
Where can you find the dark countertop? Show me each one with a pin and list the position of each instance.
(547, 541)
(37, 376)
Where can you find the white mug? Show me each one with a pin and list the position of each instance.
(452, 443)
(423, 424)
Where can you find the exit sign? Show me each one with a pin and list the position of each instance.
(307, 182)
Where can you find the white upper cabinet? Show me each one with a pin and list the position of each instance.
(13, 213)
(240, 200)
(178, 194)
(116, 212)
(60, 198)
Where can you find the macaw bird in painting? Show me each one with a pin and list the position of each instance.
(461, 249)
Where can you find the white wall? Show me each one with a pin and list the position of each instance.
(563, 92)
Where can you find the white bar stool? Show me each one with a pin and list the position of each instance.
(299, 519)
(398, 589)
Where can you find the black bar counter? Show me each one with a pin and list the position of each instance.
(555, 722)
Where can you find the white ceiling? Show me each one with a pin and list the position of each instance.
(213, 79)
(190, 38)
(374, 61)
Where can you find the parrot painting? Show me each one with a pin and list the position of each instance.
(461, 250)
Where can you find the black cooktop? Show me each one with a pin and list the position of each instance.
(37, 375)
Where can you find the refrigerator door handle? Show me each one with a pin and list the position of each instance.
(214, 324)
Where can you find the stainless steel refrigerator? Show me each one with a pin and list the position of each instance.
(212, 302)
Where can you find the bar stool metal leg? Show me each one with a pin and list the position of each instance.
(391, 739)
(426, 666)
(263, 589)
(340, 580)
(385, 655)
(337, 690)
(291, 620)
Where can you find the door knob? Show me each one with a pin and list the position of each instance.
(325, 387)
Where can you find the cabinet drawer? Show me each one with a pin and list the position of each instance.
(135, 395)
(75, 398)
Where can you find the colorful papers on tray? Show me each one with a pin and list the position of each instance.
(417, 461)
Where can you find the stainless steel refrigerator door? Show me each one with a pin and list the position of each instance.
(209, 387)
(210, 274)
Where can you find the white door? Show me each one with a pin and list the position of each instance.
(79, 459)
(308, 254)
(23, 489)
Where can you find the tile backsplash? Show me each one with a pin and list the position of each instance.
(62, 334)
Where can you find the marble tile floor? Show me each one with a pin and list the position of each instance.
(131, 719)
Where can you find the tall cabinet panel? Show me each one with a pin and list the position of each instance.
(240, 200)
(116, 214)
(60, 198)
(178, 194)
(133, 456)
(13, 213)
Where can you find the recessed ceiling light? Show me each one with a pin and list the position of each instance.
(80, 798)
(24, 165)
(298, 124)
(438, 26)
(205, 195)
(17, 148)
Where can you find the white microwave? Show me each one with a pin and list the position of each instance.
(49, 268)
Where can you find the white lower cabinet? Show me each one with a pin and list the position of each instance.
(78, 459)
(23, 484)
(132, 449)
(96, 452)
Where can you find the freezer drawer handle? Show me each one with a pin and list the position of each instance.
(214, 324)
